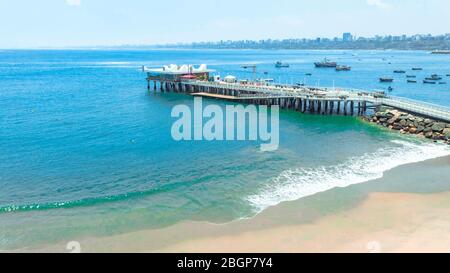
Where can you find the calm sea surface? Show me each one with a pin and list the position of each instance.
(85, 150)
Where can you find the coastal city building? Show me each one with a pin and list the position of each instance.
(347, 37)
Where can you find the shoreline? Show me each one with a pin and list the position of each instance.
(358, 218)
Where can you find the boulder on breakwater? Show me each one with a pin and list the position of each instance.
(406, 123)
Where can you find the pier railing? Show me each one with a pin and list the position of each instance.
(423, 108)
(332, 94)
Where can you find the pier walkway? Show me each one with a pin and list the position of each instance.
(302, 98)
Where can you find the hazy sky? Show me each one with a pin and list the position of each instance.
(59, 23)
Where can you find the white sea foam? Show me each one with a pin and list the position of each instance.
(291, 185)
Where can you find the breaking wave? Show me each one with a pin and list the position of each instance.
(294, 184)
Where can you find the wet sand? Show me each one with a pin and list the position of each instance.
(408, 210)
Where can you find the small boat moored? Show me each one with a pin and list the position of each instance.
(343, 68)
(385, 79)
(446, 52)
(429, 82)
(400, 71)
(434, 77)
(410, 76)
(280, 64)
(417, 68)
(412, 81)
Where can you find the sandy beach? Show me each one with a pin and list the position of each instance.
(385, 222)
(366, 219)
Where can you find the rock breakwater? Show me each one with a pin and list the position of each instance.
(407, 123)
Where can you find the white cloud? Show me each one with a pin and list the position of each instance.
(378, 3)
(73, 3)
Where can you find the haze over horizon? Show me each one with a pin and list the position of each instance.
(78, 23)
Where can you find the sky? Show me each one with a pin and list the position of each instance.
(75, 23)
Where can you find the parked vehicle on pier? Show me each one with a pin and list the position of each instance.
(379, 95)
(230, 79)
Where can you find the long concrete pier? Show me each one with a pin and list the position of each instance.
(303, 99)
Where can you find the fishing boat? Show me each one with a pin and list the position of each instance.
(429, 82)
(410, 76)
(326, 64)
(399, 71)
(411, 81)
(343, 68)
(281, 65)
(384, 79)
(434, 77)
(417, 68)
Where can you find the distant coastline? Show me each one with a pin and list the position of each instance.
(410, 46)
(347, 42)
(418, 42)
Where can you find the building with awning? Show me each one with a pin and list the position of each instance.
(176, 73)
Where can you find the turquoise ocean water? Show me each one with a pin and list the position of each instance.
(85, 150)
